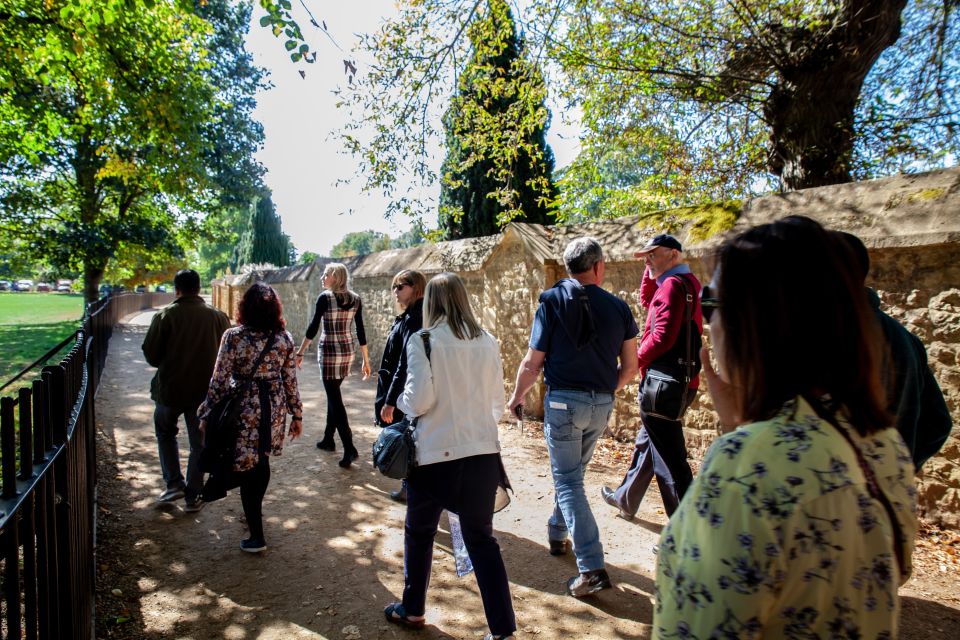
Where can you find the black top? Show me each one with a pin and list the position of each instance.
(321, 308)
(922, 416)
(392, 375)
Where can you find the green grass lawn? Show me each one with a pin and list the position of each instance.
(31, 324)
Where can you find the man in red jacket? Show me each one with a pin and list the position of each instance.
(668, 357)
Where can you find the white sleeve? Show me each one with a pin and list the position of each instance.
(418, 395)
(497, 395)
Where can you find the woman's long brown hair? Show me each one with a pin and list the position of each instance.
(796, 323)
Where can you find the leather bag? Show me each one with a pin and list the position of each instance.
(223, 422)
(394, 452)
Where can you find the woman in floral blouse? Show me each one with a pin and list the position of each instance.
(782, 534)
(272, 395)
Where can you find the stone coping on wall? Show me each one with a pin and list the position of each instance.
(899, 211)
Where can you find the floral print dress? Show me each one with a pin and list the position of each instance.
(239, 349)
(778, 536)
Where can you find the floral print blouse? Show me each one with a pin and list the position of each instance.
(778, 536)
(239, 349)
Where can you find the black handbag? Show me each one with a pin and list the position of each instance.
(665, 389)
(223, 422)
(394, 452)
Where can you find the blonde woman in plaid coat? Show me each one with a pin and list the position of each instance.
(337, 308)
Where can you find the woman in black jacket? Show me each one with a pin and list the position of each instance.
(407, 287)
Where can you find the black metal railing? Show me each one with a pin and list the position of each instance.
(48, 470)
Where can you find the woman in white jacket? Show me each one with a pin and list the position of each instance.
(457, 392)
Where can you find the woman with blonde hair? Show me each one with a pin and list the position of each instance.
(337, 307)
(407, 288)
(455, 386)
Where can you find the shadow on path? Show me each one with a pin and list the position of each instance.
(335, 555)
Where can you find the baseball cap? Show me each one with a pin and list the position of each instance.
(660, 240)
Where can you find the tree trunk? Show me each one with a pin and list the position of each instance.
(811, 110)
(86, 164)
(92, 276)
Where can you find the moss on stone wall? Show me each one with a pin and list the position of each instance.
(701, 221)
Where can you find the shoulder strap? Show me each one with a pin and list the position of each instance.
(425, 336)
(687, 321)
(263, 352)
(873, 487)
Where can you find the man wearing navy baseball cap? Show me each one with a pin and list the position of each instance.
(669, 359)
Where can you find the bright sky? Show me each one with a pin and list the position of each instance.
(302, 156)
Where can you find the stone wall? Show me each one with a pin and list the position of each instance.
(909, 223)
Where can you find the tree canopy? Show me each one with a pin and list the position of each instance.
(358, 243)
(686, 99)
(118, 125)
(722, 99)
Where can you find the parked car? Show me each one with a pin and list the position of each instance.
(44, 286)
(161, 288)
(23, 285)
(4, 285)
(64, 286)
(141, 288)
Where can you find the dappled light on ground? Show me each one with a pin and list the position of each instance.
(335, 540)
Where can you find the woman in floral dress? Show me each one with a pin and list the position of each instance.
(801, 521)
(265, 405)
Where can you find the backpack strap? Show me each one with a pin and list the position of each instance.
(425, 336)
(687, 321)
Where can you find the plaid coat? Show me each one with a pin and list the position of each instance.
(337, 349)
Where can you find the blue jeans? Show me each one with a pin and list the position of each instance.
(165, 424)
(573, 422)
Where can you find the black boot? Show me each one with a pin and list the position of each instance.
(349, 455)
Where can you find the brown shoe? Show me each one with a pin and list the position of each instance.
(559, 547)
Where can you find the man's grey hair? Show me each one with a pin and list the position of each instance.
(581, 254)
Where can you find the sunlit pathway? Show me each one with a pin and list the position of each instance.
(335, 538)
(335, 555)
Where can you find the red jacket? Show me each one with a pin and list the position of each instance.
(665, 305)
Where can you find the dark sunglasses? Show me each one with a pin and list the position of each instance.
(400, 285)
(708, 302)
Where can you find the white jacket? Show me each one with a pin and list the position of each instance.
(458, 395)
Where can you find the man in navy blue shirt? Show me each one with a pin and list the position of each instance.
(585, 341)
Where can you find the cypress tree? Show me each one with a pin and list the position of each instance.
(264, 241)
(475, 198)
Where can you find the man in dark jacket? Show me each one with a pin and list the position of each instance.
(915, 398)
(182, 343)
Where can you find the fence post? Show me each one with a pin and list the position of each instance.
(25, 403)
(8, 447)
(57, 404)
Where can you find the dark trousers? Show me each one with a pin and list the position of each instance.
(468, 488)
(165, 421)
(253, 486)
(660, 451)
(337, 415)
